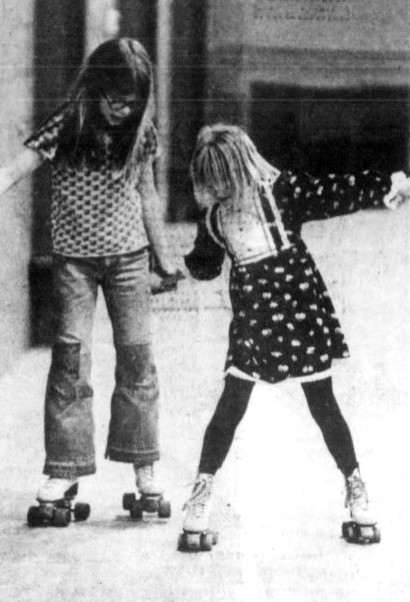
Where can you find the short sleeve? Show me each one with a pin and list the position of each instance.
(45, 139)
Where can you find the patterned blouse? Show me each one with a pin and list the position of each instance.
(95, 210)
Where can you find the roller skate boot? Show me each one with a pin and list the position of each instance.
(55, 508)
(150, 497)
(196, 535)
(362, 528)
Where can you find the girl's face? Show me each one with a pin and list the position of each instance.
(116, 108)
(208, 195)
(222, 193)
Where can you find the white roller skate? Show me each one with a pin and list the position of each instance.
(54, 508)
(196, 535)
(150, 496)
(362, 528)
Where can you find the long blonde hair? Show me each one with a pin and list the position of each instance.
(225, 161)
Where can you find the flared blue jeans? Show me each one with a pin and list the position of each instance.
(69, 424)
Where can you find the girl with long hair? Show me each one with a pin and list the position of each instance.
(105, 215)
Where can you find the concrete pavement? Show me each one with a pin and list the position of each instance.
(279, 498)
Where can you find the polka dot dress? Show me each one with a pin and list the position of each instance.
(284, 323)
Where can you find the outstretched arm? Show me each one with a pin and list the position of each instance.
(154, 219)
(26, 162)
(313, 198)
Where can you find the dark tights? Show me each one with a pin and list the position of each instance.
(232, 407)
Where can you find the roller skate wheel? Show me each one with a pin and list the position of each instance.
(344, 530)
(34, 517)
(349, 532)
(46, 511)
(127, 500)
(377, 536)
(150, 504)
(81, 512)
(207, 541)
(369, 534)
(62, 517)
(197, 542)
(181, 543)
(136, 509)
(366, 532)
(164, 508)
(192, 542)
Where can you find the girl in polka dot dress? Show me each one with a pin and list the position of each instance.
(105, 214)
(284, 324)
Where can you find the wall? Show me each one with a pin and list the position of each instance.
(42, 46)
(321, 72)
(138, 20)
(58, 48)
(186, 87)
(372, 25)
(16, 80)
(308, 24)
(320, 43)
(187, 99)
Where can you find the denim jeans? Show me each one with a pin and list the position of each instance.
(69, 425)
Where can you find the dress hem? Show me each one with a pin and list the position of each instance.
(234, 371)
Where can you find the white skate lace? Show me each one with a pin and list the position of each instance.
(147, 474)
(356, 493)
(198, 499)
(145, 479)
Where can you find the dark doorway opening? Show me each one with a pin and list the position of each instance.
(58, 54)
(331, 130)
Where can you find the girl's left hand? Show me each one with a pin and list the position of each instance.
(399, 192)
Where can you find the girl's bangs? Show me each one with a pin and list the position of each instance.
(213, 171)
(226, 162)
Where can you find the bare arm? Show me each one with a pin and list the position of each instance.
(26, 162)
(153, 215)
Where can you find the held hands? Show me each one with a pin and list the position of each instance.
(164, 276)
(399, 192)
